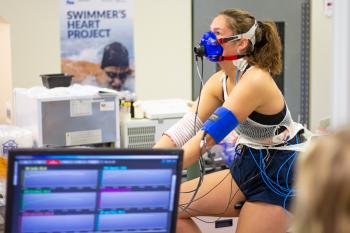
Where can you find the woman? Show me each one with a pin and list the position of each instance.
(244, 97)
(323, 183)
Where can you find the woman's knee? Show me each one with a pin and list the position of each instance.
(186, 225)
(183, 214)
(267, 218)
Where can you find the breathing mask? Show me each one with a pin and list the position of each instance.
(210, 47)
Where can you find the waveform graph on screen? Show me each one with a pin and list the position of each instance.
(57, 223)
(45, 200)
(58, 200)
(60, 179)
(114, 192)
(113, 177)
(135, 200)
(133, 222)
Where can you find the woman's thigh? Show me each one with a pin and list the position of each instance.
(259, 217)
(217, 196)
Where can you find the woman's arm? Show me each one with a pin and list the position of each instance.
(210, 100)
(255, 92)
(192, 150)
(165, 142)
(248, 95)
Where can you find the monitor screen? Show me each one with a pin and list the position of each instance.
(93, 191)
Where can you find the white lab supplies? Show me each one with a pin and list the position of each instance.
(68, 116)
(14, 137)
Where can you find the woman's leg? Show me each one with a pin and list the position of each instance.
(216, 197)
(259, 217)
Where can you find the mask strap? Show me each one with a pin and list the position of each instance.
(231, 58)
(250, 35)
(231, 38)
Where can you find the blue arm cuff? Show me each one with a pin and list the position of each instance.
(220, 123)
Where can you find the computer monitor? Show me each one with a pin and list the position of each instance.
(92, 190)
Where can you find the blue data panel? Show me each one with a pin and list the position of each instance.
(59, 201)
(136, 177)
(125, 200)
(62, 223)
(117, 192)
(60, 179)
(133, 222)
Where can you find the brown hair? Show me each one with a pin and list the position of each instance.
(266, 52)
(322, 202)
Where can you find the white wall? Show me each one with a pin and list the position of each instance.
(162, 44)
(34, 39)
(5, 69)
(341, 69)
(321, 64)
(163, 48)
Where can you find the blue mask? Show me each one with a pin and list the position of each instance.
(210, 47)
(213, 50)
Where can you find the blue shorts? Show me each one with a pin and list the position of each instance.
(278, 188)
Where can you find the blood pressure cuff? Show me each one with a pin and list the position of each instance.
(220, 123)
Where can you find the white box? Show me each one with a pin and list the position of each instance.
(68, 120)
(144, 133)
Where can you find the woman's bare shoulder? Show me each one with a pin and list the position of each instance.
(217, 77)
(257, 77)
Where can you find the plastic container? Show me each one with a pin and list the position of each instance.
(56, 80)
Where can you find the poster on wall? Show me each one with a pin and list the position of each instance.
(97, 42)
